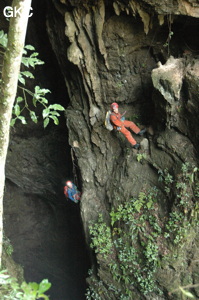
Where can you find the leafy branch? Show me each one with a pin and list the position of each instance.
(3, 40)
(10, 289)
(39, 94)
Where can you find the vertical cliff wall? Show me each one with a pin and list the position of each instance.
(120, 51)
(143, 55)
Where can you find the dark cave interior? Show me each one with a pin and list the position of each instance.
(45, 228)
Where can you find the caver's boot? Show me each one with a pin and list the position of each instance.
(141, 132)
(136, 146)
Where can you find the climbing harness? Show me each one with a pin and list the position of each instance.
(108, 123)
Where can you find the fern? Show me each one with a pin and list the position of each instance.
(139, 203)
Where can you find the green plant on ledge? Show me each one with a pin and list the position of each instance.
(138, 239)
(101, 237)
(131, 264)
(183, 192)
(141, 156)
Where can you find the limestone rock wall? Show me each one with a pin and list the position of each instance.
(108, 57)
(121, 51)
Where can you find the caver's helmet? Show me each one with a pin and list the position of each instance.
(69, 184)
(114, 105)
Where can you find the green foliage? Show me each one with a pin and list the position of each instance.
(154, 224)
(177, 227)
(3, 39)
(144, 201)
(7, 245)
(167, 178)
(184, 188)
(139, 203)
(101, 237)
(52, 112)
(119, 84)
(151, 253)
(11, 290)
(140, 156)
(134, 117)
(166, 44)
(133, 266)
(139, 237)
(30, 60)
(92, 294)
(183, 191)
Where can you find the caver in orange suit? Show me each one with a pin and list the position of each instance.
(121, 125)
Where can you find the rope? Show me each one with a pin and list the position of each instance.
(74, 168)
